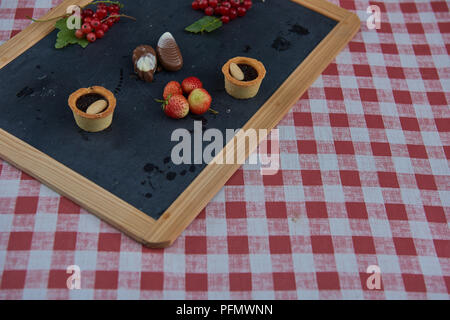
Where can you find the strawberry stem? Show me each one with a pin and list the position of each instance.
(213, 111)
(164, 103)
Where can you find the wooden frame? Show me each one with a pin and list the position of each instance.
(163, 232)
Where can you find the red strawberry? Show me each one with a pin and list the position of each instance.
(176, 107)
(172, 88)
(190, 84)
(199, 101)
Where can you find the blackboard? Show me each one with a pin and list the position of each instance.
(131, 159)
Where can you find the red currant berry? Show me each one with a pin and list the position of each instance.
(87, 13)
(225, 11)
(99, 34)
(91, 37)
(114, 8)
(226, 4)
(94, 16)
(248, 4)
(203, 4)
(87, 20)
(213, 3)
(86, 28)
(209, 11)
(95, 23)
(225, 19)
(102, 6)
(102, 13)
(79, 34)
(195, 5)
(110, 22)
(241, 11)
(104, 27)
(235, 3)
(233, 14)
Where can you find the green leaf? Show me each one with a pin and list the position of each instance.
(207, 23)
(66, 36)
(61, 24)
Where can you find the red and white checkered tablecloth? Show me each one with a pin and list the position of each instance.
(364, 180)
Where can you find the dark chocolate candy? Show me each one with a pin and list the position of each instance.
(169, 54)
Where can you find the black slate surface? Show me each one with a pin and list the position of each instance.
(131, 159)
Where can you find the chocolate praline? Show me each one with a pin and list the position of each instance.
(169, 54)
(145, 62)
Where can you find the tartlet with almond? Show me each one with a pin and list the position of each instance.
(93, 108)
(243, 77)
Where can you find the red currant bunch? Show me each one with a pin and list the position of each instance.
(227, 10)
(96, 23)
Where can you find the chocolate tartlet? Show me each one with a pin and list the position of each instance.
(249, 72)
(88, 101)
(169, 54)
(145, 63)
(93, 108)
(243, 77)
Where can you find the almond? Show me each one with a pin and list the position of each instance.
(97, 107)
(236, 72)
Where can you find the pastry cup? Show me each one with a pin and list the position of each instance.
(93, 122)
(243, 89)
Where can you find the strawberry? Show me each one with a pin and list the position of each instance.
(199, 101)
(172, 88)
(190, 84)
(176, 106)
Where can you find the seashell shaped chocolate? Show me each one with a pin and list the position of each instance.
(145, 63)
(169, 54)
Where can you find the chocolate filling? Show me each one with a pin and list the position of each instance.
(86, 100)
(250, 73)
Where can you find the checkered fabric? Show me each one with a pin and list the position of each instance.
(364, 181)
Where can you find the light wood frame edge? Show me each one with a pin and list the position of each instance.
(194, 198)
(35, 32)
(68, 183)
(75, 187)
(139, 226)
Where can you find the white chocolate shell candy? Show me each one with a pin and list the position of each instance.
(169, 54)
(145, 63)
